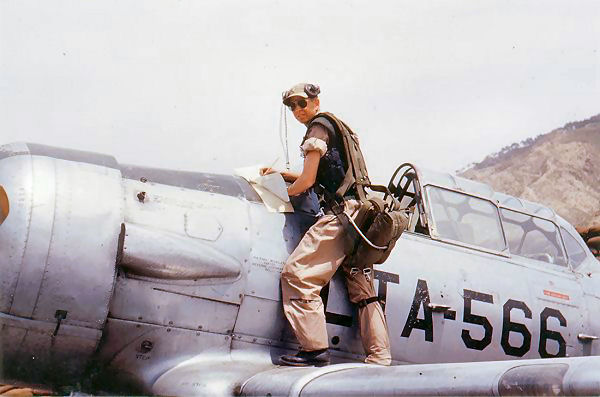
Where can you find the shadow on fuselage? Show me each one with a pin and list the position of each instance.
(306, 207)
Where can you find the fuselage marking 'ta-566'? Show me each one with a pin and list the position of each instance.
(422, 299)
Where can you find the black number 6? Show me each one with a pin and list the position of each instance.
(546, 334)
(508, 327)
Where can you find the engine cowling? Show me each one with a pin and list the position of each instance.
(59, 239)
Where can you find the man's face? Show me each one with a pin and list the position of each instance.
(304, 114)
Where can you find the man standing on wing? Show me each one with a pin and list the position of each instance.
(321, 251)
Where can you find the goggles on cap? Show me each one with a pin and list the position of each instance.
(310, 90)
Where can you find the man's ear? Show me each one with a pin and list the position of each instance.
(317, 103)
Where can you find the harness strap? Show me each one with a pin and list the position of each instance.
(356, 173)
(365, 302)
(354, 169)
(346, 184)
(359, 167)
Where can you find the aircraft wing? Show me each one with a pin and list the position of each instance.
(561, 376)
(567, 376)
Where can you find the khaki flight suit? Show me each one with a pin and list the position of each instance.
(308, 269)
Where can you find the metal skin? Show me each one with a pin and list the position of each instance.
(126, 279)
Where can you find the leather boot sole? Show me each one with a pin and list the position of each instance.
(303, 364)
(306, 359)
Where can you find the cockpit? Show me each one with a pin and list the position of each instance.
(470, 214)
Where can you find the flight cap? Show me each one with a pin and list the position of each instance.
(304, 90)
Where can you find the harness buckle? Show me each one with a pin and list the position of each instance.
(367, 271)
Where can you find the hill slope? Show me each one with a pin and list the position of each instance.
(560, 169)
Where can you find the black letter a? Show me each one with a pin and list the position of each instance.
(426, 324)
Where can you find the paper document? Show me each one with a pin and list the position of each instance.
(271, 188)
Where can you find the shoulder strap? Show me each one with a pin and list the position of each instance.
(356, 174)
(324, 121)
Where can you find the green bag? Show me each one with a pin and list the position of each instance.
(371, 240)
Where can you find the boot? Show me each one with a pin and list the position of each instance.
(318, 358)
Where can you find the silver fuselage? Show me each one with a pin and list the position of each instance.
(154, 281)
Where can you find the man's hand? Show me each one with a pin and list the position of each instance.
(288, 176)
(267, 171)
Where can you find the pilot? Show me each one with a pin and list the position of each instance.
(321, 251)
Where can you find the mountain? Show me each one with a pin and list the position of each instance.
(560, 169)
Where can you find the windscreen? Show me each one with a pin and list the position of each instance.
(533, 238)
(575, 251)
(464, 218)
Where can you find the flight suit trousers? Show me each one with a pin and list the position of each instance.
(308, 269)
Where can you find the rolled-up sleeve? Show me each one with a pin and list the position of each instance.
(314, 144)
(316, 140)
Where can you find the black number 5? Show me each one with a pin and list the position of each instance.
(475, 319)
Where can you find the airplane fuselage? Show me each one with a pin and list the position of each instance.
(135, 274)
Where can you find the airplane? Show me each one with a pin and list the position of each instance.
(134, 280)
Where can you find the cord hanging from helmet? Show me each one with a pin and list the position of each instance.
(282, 128)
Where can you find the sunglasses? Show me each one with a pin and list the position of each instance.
(301, 103)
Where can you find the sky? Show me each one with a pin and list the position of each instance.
(196, 85)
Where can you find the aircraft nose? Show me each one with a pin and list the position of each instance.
(60, 219)
(15, 203)
(61, 222)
